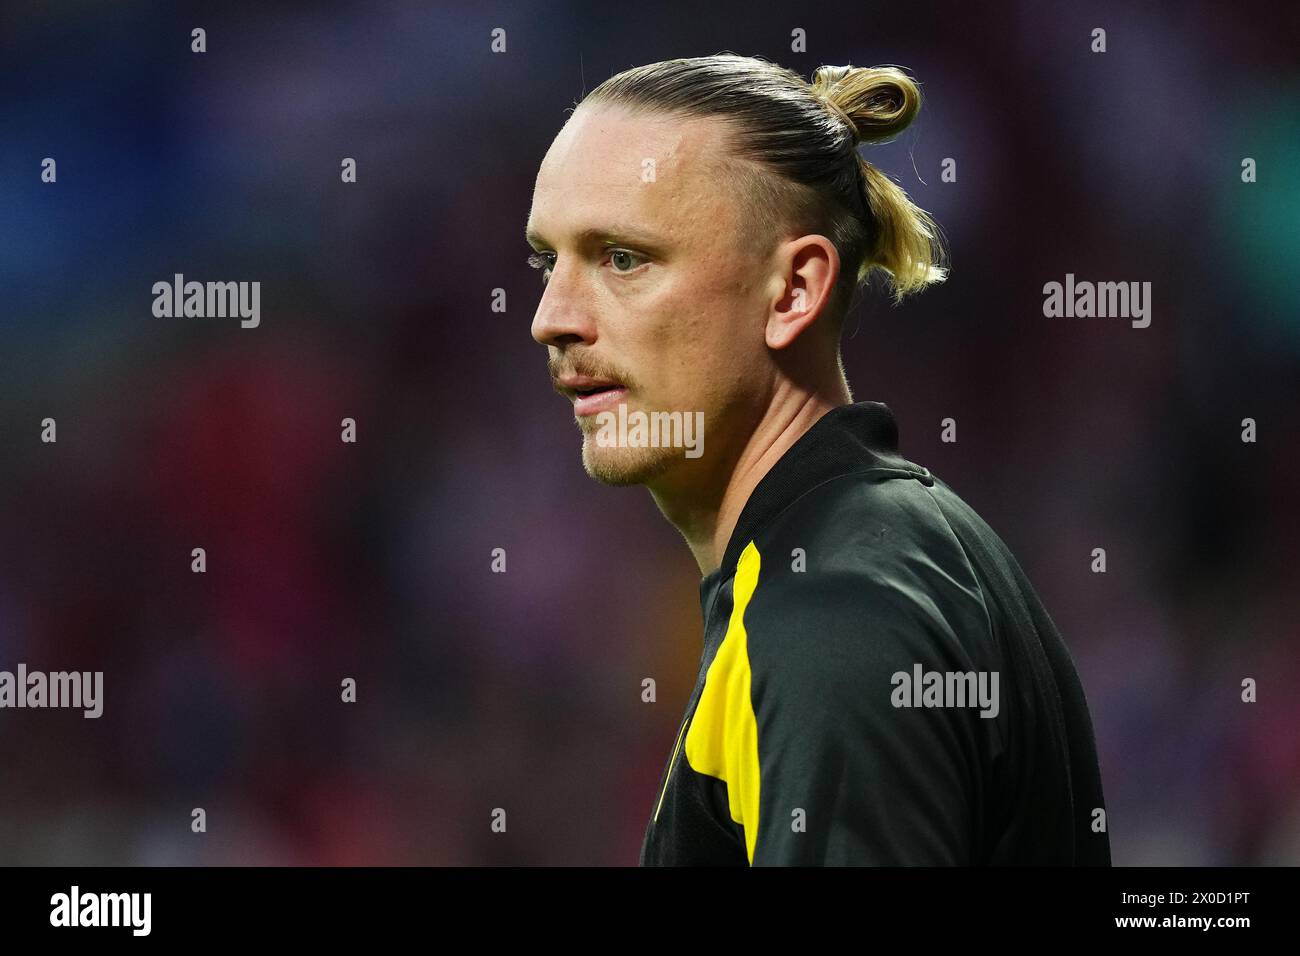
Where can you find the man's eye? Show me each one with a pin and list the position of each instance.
(626, 256)
(539, 260)
(623, 260)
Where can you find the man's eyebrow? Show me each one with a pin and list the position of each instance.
(609, 236)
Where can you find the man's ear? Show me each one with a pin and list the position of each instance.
(805, 272)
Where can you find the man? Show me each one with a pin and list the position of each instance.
(879, 683)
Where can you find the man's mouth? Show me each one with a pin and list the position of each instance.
(592, 395)
(595, 389)
(600, 399)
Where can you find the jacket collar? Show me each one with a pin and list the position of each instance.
(850, 438)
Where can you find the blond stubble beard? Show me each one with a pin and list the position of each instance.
(624, 466)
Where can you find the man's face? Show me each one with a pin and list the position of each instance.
(653, 286)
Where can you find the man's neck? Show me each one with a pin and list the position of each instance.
(706, 518)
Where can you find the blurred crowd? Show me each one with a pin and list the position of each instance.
(372, 560)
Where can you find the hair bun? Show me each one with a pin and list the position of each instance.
(876, 102)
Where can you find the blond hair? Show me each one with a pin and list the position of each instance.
(794, 150)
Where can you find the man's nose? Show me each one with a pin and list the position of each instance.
(563, 316)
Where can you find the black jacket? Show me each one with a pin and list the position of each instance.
(858, 601)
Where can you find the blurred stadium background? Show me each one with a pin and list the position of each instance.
(522, 690)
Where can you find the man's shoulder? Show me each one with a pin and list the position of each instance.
(864, 564)
(867, 520)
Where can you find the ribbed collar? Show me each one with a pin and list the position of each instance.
(850, 438)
